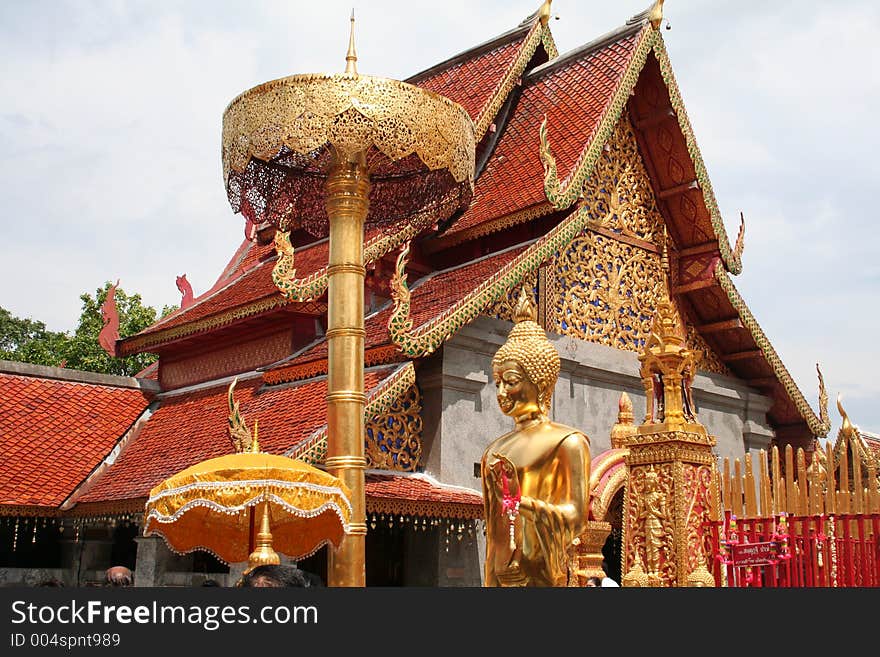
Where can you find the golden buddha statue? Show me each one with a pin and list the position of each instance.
(535, 478)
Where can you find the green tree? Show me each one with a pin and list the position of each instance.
(83, 351)
(28, 341)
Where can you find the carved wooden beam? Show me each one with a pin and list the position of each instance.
(724, 325)
(690, 287)
(742, 355)
(678, 189)
(655, 118)
(705, 247)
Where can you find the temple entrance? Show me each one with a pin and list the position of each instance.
(612, 549)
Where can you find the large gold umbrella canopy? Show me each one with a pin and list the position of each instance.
(329, 154)
(207, 506)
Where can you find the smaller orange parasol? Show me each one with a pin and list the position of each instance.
(210, 505)
(207, 506)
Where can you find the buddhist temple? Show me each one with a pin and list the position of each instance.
(587, 168)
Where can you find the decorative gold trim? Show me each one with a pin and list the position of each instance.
(563, 195)
(314, 448)
(819, 427)
(534, 38)
(731, 257)
(137, 344)
(508, 220)
(413, 508)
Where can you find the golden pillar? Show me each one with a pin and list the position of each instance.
(329, 154)
(348, 189)
(672, 487)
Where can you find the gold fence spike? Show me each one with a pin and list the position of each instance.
(778, 490)
(751, 506)
(790, 492)
(727, 501)
(858, 488)
(766, 505)
(803, 499)
(843, 495)
(830, 482)
(736, 490)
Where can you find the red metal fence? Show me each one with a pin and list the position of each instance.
(801, 529)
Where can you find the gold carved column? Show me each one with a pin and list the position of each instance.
(348, 188)
(672, 486)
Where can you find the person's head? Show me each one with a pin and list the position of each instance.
(526, 367)
(119, 576)
(51, 582)
(274, 575)
(594, 581)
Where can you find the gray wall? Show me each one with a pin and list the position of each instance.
(462, 417)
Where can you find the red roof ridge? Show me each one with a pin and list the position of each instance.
(15, 368)
(580, 51)
(127, 437)
(209, 385)
(474, 51)
(425, 477)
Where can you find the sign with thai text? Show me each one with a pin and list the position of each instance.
(752, 554)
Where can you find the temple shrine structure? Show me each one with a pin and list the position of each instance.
(587, 171)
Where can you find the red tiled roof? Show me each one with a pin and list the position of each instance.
(418, 488)
(53, 433)
(192, 427)
(431, 296)
(472, 80)
(573, 94)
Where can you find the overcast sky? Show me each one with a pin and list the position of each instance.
(110, 143)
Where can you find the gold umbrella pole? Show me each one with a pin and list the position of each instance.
(348, 189)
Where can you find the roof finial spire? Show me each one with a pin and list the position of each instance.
(656, 15)
(544, 12)
(351, 56)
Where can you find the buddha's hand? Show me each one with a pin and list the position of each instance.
(506, 480)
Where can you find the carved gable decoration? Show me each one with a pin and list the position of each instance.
(603, 287)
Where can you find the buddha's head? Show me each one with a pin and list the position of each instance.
(526, 367)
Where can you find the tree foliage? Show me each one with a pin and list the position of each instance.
(29, 341)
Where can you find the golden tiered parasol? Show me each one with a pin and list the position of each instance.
(210, 505)
(331, 154)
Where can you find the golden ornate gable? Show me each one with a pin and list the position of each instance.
(603, 286)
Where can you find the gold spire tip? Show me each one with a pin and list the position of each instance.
(255, 446)
(544, 12)
(351, 55)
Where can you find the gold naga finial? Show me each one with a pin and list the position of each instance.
(238, 431)
(653, 15)
(823, 402)
(656, 14)
(847, 428)
(544, 12)
(351, 56)
(525, 309)
(740, 245)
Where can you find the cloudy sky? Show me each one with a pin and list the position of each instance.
(110, 143)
